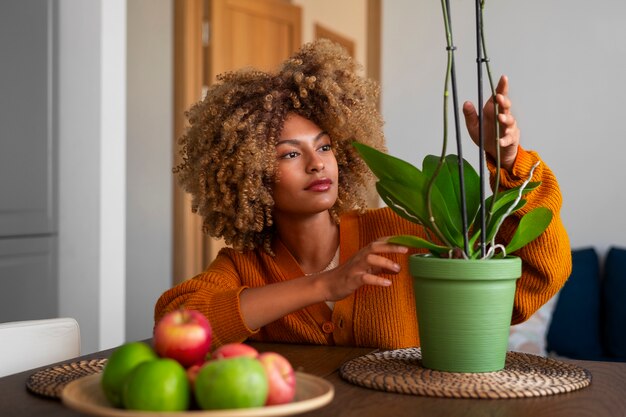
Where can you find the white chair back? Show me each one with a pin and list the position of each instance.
(33, 343)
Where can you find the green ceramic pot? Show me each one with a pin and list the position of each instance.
(464, 310)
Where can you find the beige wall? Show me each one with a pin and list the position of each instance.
(346, 17)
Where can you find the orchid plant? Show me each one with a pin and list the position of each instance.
(447, 195)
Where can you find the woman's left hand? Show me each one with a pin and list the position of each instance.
(509, 132)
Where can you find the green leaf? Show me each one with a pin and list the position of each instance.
(533, 224)
(445, 183)
(385, 166)
(496, 219)
(449, 184)
(508, 196)
(409, 202)
(419, 243)
(388, 196)
(472, 189)
(403, 187)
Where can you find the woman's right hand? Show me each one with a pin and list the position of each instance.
(509, 131)
(265, 304)
(362, 269)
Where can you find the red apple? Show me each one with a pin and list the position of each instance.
(280, 376)
(192, 373)
(183, 335)
(231, 350)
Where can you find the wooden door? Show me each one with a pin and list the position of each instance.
(211, 37)
(254, 33)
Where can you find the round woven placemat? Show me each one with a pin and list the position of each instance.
(50, 382)
(524, 375)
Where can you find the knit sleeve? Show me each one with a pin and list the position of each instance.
(547, 261)
(214, 293)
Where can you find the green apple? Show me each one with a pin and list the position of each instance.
(238, 382)
(157, 385)
(122, 361)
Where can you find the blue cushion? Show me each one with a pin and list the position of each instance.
(614, 304)
(575, 328)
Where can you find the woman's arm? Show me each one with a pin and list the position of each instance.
(237, 310)
(263, 305)
(547, 260)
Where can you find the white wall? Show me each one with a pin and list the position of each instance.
(565, 61)
(115, 157)
(91, 111)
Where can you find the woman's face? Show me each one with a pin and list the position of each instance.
(307, 180)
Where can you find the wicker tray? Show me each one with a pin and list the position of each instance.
(524, 375)
(50, 382)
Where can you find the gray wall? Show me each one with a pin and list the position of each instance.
(565, 61)
(28, 215)
(149, 161)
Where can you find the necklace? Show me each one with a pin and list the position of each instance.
(331, 265)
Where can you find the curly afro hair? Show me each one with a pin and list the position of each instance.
(228, 152)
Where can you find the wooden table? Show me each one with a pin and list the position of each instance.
(605, 397)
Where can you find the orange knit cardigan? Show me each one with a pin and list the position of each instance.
(382, 317)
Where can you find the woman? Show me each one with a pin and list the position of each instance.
(269, 162)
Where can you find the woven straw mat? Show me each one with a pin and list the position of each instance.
(524, 375)
(50, 382)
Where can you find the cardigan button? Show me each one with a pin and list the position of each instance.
(328, 327)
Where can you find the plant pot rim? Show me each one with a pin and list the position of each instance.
(428, 266)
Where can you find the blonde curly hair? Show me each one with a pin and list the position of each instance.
(228, 152)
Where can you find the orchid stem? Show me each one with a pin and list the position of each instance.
(495, 108)
(481, 133)
(451, 76)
